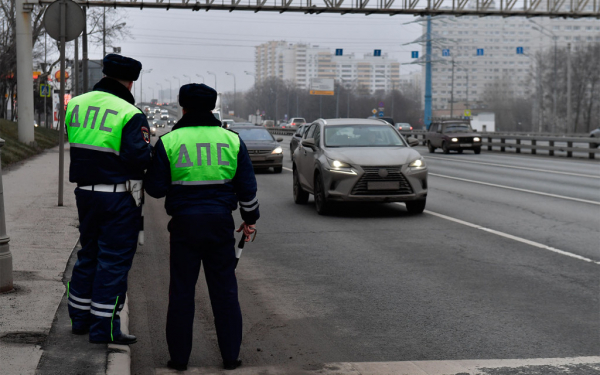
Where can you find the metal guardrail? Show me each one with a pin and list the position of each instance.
(279, 131)
(533, 143)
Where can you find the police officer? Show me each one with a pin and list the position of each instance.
(110, 149)
(204, 171)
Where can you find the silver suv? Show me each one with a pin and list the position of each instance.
(361, 160)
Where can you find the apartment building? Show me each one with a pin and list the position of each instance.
(298, 63)
(497, 65)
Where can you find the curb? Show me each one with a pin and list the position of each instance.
(119, 356)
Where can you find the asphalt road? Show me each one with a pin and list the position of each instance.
(504, 264)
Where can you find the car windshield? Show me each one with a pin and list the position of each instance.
(299, 120)
(254, 134)
(457, 128)
(361, 136)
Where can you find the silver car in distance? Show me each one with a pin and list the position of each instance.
(358, 160)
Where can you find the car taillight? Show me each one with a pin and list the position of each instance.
(411, 128)
(293, 124)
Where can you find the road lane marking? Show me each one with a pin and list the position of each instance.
(515, 238)
(517, 189)
(515, 167)
(288, 169)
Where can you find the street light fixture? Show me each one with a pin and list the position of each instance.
(234, 92)
(211, 73)
(186, 76)
(544, 31)
(251, 74)
(200, 76)
(178, 81)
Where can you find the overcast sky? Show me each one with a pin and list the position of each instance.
(177, 42)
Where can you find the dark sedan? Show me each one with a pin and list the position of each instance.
(452, 135)
(265, 151)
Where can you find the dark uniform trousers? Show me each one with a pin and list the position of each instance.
(109, 227)
(204, 238)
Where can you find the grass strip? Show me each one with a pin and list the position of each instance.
(14, 151)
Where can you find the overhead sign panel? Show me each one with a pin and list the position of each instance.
(414, 54)
(322, 86)
(339, 52)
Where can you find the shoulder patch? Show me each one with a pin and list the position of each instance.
(146, 134)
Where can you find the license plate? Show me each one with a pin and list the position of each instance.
(466, 145)
(257, 158)
(383, 185)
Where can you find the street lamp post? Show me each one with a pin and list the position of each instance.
(200, 76)
(213, 74)
(253, 75)
(160, 92)
(6, 262)
(188, 77)
(170, 91)
(234, 92)
(150, 88)
(141, 82)
(178, 81)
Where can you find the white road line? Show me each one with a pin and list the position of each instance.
(515, 167)
(517, 189)
(515, 238)
(288, 169)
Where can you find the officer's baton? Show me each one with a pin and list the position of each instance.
(238, 251)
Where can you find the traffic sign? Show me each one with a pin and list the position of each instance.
(73, 27)
(519, 50)
(322, 86)
(467, 113)
(381, 104)
(414, 54)
(44, 91)
(479, 51)
(377, 52)
(374, 111)
(446, 52)
(380, 114)
(339, 52)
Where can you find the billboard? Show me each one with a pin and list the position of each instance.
(321, 86)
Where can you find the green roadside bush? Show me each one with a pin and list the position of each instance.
(14, 151)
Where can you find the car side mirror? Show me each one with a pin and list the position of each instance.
(412, 141)
(309, 142)
(279, 139)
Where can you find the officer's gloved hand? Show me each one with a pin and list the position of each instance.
(248, 231)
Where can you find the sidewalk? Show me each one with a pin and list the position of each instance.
(42, 240)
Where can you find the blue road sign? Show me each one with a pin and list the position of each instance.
(380, 114)
(519, 50)
(479, 51)
(44, 90)
(445, 52)
(377, 52)
(339, 52)
(414, 54)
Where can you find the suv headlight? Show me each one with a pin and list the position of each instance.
(418, 164)
(340, 167)
(454, 139)
(278, 150)
(476, 139)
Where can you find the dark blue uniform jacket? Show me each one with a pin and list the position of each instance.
(195, 199)
(90, 167)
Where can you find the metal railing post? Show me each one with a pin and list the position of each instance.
(6, 276)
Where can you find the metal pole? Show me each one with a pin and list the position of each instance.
(452, 91)
(321, 106)
(348, 106)
(76, 61)
(61, 109)
(46, 80)
(337, 104)
(24, 77)
(568, 87)
(103, 32)
(170, 91)
(84, 51)
(6, 277)
(427, 114)
(555, 120)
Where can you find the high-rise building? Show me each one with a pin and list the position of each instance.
(483, 52)
(298, 63)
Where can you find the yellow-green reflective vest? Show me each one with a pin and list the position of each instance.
(95, 121)
(201, 155)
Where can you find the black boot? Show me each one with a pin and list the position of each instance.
(80, 331)
(121, 340)
(232, 365)
(176, 366)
